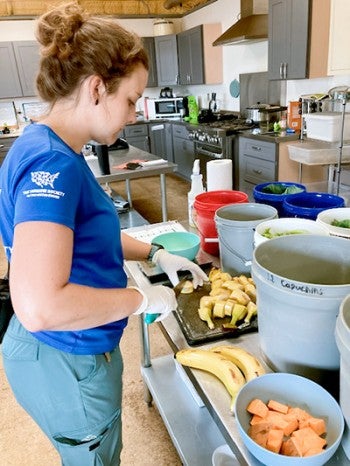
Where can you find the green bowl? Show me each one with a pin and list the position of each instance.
(181, 243)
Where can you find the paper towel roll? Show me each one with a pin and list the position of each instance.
(219, 175)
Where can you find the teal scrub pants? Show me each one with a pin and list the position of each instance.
(76, 400)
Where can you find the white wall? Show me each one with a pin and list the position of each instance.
(240, 58)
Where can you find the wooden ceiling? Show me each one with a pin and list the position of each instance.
(11, 9)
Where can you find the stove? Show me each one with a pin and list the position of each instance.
(215, 139)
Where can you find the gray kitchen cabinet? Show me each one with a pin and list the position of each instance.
(257, 163)
(199, 61)
(19, 64)
(183, 149)
(161, 144)
(10, 85)
(288, 39)
(166, 59)
(190, 51)
(137, 136)
(27, 57)
(152, 72)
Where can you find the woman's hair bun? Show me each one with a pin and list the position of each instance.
(56, 29)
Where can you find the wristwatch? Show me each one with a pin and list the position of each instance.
(154, 248)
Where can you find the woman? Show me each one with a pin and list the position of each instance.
(63, 240)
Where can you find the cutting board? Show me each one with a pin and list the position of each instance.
(195, 330)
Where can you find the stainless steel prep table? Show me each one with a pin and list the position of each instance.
(121, 157)
(195, 431)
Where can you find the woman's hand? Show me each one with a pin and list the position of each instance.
(158, 299)
(171, 264)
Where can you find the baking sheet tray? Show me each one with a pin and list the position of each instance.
(197, 331)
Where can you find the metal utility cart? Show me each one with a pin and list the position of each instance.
(194, 407)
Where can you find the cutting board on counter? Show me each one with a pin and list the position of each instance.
(195, 330)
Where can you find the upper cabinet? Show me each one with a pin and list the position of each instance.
(339, 57)
(298, 38)
(166, 59)
(288, 38)
(9, 79)
(152, 72)
(199, 61)
(19, 63)
(189, 57)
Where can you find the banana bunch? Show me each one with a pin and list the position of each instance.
(232, 365)
(234, 297)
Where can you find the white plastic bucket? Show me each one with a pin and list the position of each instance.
(342, 336)
(235, 225)
(326, 218)
(284, 226)
(301, 281)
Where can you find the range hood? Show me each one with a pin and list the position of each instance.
(251, 27)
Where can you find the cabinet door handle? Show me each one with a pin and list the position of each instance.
(281, 70)
(256, 148)
(285, 67)
(258, 172)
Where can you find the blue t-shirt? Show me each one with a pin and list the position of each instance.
(43, 179)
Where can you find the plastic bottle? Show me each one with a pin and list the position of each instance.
(196, 188)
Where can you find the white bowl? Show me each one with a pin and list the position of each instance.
(295, 391)
(223, 456)
(326, 217)
(280, 226)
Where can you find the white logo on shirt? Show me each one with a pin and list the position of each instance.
(44, 178)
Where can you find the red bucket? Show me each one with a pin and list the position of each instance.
(205, 205)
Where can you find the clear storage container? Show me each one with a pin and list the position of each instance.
(327, 126)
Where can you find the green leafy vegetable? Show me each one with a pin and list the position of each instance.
(280, 188)
(341, 223)
(267, 233)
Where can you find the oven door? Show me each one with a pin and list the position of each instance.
(205, 153)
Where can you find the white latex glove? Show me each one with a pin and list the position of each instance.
(171, 264)
(157, 300)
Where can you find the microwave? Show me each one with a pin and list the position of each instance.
(168, 107)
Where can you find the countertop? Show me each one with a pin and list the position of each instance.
(269, 137)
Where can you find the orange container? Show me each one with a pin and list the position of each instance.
(205, 205)
(294, 117)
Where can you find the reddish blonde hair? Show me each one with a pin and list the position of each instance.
(75, 45)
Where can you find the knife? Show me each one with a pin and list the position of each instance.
(150, 318)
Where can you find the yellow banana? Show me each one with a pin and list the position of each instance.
(252, 311)
(226, 371)
(239, 311)
(247, 362)
(205, 313)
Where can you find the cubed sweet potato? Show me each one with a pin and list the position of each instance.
(274, 440)
(256, 419)
(276, 406)
(259, 433)
(286, 430)
(308, 439)
(291, 447)
(258, 407)
(318, 425)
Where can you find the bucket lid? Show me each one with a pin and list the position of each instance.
(245, 214)
(216, 199)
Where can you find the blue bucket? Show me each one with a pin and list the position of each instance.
(309, 205)
(274, 200)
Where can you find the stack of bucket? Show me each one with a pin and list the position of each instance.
(301, 205)
(205, 205)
